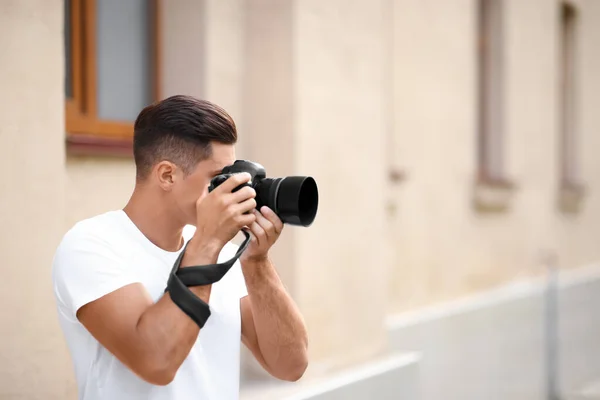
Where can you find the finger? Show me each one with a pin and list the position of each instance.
(273, 218)
(245, 206)
(243, 194)
(258, 232)
(247, 219)
(234, 181)
(267, 226)
(252, 237)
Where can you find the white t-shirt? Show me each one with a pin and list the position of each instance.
(104, 253)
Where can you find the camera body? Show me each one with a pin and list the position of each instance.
(294, 199)
(256, 171)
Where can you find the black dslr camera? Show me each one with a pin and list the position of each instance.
(294, 199)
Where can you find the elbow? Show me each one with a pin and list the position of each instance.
(159, 377)
(157, 372)
(296, 370)
(295, 375)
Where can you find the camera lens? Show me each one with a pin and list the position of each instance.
(295, 199)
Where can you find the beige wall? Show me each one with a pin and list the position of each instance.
(32, 201)
(445, 249)
(339, 132)
(95, 185)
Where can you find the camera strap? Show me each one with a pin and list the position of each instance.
(196, 308)
(181, 278)
(209, 274)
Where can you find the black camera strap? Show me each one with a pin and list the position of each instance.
(181, 278)
(209, 274)
(196, 308)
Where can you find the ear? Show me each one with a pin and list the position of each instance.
(166, 173)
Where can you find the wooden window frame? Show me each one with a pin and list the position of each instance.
(493, 189)
(86, 133)
(571, 190)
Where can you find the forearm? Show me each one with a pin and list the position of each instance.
(166, 332)
(280, 330)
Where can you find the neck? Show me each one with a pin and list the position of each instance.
(155, 219)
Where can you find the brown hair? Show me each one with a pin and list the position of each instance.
(179, 129)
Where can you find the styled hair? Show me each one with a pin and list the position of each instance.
(179, 129)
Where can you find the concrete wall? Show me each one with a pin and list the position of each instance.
(392, 377)
(32, 199)
(444, 248)
(494, 345)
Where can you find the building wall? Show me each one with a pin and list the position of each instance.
(339, 128)
(95, 185)
(444, 248)
(32, 199)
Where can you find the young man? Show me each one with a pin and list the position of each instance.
(127, 338)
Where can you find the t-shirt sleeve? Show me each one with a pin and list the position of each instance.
(86, 268)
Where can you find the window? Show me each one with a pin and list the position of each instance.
(492, 185)
(111, 70)
(571, 188)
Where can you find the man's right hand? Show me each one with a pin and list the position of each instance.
(220, 216)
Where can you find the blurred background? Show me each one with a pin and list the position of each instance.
(455, 254)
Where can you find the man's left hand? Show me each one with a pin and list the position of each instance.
(265, 232)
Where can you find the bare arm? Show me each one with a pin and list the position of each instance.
(272, 326)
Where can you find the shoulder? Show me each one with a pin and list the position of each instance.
(94, 230)
(90, 262)
(90, 242)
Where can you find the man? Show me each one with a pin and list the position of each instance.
(127, 338)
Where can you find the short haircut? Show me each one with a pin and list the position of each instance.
(179, 129)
